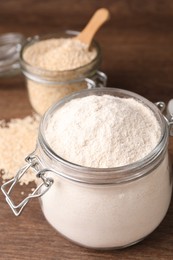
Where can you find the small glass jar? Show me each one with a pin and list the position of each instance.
(45, 87)
(101, 208)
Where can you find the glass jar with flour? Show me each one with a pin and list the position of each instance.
(57, 65)
(102, 167)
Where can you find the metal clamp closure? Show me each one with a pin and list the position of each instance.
(160, 105)
(101, 79)
(170, 116)
(98, 81)
(41, 189)
(170, 122)
(90, 83)
(169, 113)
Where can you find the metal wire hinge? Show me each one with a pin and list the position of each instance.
(41, 189)
(169, 113)
(170, 116)
(99, 80)
(160, 105)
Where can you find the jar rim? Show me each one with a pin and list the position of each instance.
(119, 174)
(28, 69)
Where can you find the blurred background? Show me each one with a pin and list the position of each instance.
(137, 43)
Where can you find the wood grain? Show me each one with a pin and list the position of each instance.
(137, 47)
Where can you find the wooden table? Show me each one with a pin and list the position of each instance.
(137, 46)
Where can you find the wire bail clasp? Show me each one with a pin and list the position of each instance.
(42, 188)
(98, 81)
(169, 113)
(170, 116)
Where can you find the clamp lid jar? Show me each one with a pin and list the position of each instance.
(101, 207)
(47, 81)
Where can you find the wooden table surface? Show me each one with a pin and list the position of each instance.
(137, 46)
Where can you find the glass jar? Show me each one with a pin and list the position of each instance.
(100, 208)
(45, 87)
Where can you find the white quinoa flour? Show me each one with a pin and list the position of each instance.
(103, 131)
(106, 131)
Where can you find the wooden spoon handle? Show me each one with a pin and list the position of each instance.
(99, 18)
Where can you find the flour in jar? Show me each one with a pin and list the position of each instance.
(61, 65)
(59, 54)
(103, 131)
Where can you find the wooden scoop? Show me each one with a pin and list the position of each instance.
(96, 21)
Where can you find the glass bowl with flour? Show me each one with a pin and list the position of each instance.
(56, 65)
(104, 177)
